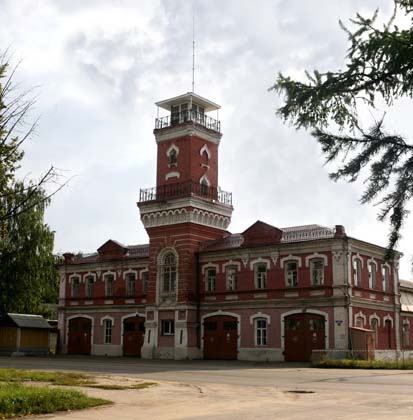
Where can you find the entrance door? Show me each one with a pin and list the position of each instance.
(303, 333)
(133, 335)
(80, 332)
(220, 337)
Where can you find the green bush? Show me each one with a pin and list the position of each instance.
(20, 400)
(363, 364)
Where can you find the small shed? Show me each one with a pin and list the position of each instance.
(362, 343)
(22, 334)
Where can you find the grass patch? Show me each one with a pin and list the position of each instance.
(111, 387)
(56, 378)
(17, 399)
(363, 364)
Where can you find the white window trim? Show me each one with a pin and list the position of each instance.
(104, 318)
(260, 315)
(210, 265)
(256, 335)
(388, 318)
(145, 270)
(372, 261)
(374, 316)
(159, 275)
(362, 316)
(75, 275)
(90, 274)
(173, 174)
(290, 258)
(229, 263)
(205, 275)
(260, 261)
(205, 149)
(173, 146)
(130, 271)
(204, 178)
(357, 257)
(104, 276)
(316, 256)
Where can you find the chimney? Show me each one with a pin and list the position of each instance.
(340, 232)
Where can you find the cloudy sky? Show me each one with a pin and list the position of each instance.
(100, 65)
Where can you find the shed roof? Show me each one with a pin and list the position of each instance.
(29, 321)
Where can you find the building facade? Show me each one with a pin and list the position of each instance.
(197, 291)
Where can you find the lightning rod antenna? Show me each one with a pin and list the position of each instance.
(193, 47)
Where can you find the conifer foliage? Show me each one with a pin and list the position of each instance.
(379, 69)
(27, 273)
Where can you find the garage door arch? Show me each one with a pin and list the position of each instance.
(302, 332)
(220, 335)
(132, 334)
(79, 335)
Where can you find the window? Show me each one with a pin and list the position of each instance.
(75, 287)
(130, 284)
(291, 274)
(360, 322)
(372, 275)
(167, 327)
(317, 272)
(374, 324)
(107, 331)
(386, 279)
(210, 280)
(406, 334)
(173, 157)
(109, 283)
(90, 285)
(204, 187)
(145, 279)
(260, 273)
(261, 332)
(169, 273)
(231, 274)
(357, 272)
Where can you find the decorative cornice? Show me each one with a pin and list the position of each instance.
(179, 131)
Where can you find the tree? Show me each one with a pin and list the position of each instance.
(27, 272)
(379, 69)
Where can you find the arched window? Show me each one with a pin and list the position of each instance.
(260, 332)
(386, 278)
(204, 187)
(372, 275)
(107, 331)
(260, 274)
(109, 284)
(406, 334)
(291, 274)
(317, 271)
(75, 287)
(210, 279)
(360, 322)
(173, 157)
(357, 272)
(374, 324)
(169, 273)
(232, 277)
(90, 285)
(130, 284)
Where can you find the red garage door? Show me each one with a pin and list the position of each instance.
(80, 332)
(220, 337)
(133, 335)
(303, 333)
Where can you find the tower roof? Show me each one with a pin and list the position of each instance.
(199, 100)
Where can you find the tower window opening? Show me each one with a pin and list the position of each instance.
(169, 273)
(173, 157)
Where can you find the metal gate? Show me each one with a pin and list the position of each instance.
(133, 335)
(220, 337)
(303, 333)
(79, 339)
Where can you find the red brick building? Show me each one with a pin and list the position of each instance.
(197, 291)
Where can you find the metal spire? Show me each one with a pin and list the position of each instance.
(193, 47)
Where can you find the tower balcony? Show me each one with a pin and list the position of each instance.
(190, 116)
(184, 189)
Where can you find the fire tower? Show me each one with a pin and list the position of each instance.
(186, 208)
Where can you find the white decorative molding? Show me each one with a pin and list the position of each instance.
(145, 270)
(130, 271)
(182, 131)
(290, 258)
(357, 257)
(204, 149)
(316, 255)
(258, 261)
(75, 275)
(388, 318)
(372, 261)
(374, 316)
(204, 179)
(231, 263)
(260, 315)
(104, 318)
(362, 316)
(173, 174)
(107, 273)
(337, 255)
(210, 265)
(274, 257)
(245, 258)
(173, 146)
(89, 274)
